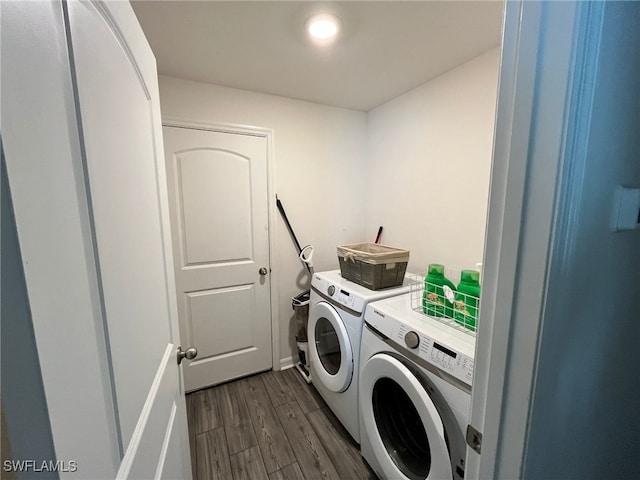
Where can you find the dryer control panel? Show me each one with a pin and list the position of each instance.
(438, 348)
(339, 295)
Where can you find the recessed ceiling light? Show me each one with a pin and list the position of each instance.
(323, 26)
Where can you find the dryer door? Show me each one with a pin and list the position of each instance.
(401, 422)
(329, 348)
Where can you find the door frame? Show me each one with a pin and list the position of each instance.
(544, 105)
(268, 134)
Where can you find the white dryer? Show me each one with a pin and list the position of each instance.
(415, 393)
(336, 317)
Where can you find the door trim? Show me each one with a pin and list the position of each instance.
(268, 134)
(545, 71)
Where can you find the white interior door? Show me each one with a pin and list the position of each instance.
(217, 186)
(119, 113)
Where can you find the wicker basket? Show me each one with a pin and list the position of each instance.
(372, 265)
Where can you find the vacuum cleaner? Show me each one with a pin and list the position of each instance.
(300, 303)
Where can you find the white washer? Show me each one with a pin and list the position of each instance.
(336, 317)
(415, 393)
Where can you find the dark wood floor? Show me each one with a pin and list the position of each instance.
(271, 426)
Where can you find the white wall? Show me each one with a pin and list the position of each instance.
(428, 163)
(319, 159)
(418, 165)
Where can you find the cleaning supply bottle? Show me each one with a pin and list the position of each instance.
(438, 296)
(467, 299)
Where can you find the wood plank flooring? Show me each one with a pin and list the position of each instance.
(271, 426)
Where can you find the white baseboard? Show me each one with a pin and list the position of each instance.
(287, 362)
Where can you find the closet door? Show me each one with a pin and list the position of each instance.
(119, 114)
(217, 184)
(82, 140)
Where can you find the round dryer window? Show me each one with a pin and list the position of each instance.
(402, 423)
(329, 348)
(401, 429)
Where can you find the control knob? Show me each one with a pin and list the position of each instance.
(331, 290)
(412, 339)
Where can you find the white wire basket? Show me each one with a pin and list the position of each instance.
(455, 309)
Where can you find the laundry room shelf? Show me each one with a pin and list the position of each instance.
(457, 310)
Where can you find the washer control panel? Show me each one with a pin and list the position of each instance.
(441, 354)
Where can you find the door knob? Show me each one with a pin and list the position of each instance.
(263, 271)
(189, 354)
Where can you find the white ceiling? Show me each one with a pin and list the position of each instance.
(385, 49)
